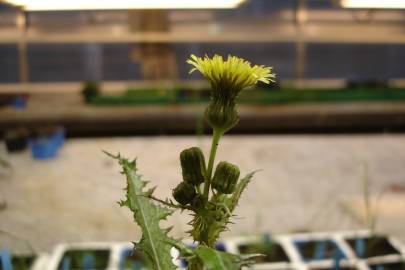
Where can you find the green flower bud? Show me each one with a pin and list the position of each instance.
(199, 201)
(184, 193)
(221, 116)
(193, 166)
(225, 178)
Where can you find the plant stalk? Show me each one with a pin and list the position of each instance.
(216, 136)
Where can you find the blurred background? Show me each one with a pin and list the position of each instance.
(78, 78)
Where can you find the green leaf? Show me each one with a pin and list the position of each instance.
(212, 259)
(232, 201)
(155, 243)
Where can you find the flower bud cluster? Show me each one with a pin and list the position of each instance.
(193, 170)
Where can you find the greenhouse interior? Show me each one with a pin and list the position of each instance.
(202, 135)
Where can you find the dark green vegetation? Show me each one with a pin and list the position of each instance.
(21, 262)
(272, 252)
(79, 259)
(90, 90)
(389, 266)
(373, 247)
(162, 96)
(318, 250)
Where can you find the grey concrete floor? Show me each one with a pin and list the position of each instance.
(306, 182)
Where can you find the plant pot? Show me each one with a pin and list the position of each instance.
(16, 140)
(58, 136)
(43, 149)
(46, 141)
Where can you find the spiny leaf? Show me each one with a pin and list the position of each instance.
(213, 259)
(155, 243)
(232, 201)
(207, 258)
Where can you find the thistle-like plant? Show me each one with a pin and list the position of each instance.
(211, 196)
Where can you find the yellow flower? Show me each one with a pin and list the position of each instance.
(227, 78)
(230, 76)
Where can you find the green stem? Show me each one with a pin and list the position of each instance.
(169, 204)
(216, 136)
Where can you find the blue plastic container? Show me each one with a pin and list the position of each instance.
(59, 137)
(47, 143)
(5, 260)
(44, 148)
(18, 103)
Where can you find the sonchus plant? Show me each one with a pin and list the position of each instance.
(210, 195)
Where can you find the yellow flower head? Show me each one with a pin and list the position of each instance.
(229, 77)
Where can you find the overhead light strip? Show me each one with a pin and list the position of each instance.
(373, 4)
(55, 5)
